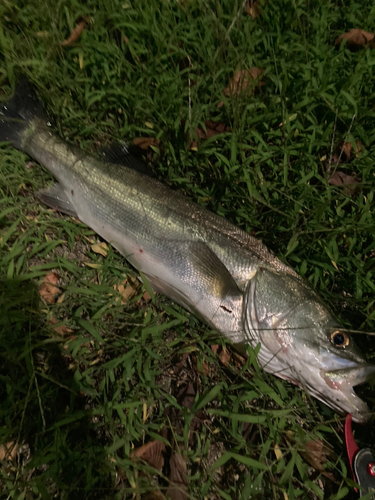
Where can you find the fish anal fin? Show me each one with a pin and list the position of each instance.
(56, 198)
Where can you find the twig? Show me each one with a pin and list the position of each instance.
(189, 85)
(235, 18)
(38, 393)
(342, 149)
(332, 143)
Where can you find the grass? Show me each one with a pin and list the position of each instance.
(77, 404)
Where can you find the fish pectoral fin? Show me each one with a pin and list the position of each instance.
(212, 273)
(56, 198)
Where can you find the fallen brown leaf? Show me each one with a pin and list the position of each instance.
(75, 34)
(146, 297)
(152, 453)
(186, 395)
(340, 178)
(51, 278)
(215, 348)
(145, 142)
(8, 451)
(222, 353)
(177, 489)
(224, 356)
(100, 248)
(244, 80)
(347, 149)
(126, 291)
(153, 495)
(184, 357)
(335, 158)
(206, 369)
(47, 290)
(211, 128)
(239, 361)
(357, 38)
(62, 329)
(316, 454)
(252, 8)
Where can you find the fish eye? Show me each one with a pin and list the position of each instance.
(339, 338)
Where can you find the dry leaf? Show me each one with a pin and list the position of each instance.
(186, 395)
(243, 80)
(215, 348)
(93, 265)
(316, 453)
(278, 452)
(145, 142)
(239, 361)
(8, 451)
(181, 363)
(347, 149)
(339, 178)
(51, 278)
(101, 248)
(334, 159)
(47, 290)
(146, 297)
(252, 8)
(212, 128)
(62, 329)
(75, 34)
(126, 291)
(356, 38)
(206, 369)
(153, 495)
(222, 354)
(152, 453)
(177, 489)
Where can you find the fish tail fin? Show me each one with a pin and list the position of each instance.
(18, 112)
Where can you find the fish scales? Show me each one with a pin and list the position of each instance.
(119, 195)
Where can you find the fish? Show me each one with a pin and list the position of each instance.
(223, 275)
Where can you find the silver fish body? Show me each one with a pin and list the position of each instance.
(212, 268)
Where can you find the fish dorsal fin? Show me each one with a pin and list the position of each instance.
(120, 154)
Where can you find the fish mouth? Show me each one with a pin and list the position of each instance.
(342, 396)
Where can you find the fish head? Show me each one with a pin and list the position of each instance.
(301, 341)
